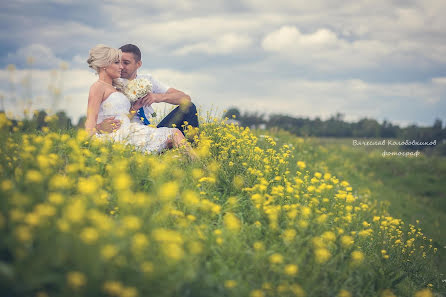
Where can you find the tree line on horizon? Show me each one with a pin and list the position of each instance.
(336, 126)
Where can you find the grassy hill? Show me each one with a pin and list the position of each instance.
(257, 215)
(414, 187)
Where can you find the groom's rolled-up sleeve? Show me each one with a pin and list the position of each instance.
(158, 87)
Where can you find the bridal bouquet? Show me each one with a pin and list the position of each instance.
(137, 88)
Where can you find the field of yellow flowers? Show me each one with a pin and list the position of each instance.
(79, 217)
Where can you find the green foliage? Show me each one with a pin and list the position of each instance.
(254, 216)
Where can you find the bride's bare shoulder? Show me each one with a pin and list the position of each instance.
(96, 86)
(96, 90)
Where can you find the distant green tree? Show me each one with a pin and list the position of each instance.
(39, 118)
(232, 112)
(252, 119)
(63, 121)
(388, 130)
(81, 122)
(367, 128)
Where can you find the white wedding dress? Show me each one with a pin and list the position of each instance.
(144, 138)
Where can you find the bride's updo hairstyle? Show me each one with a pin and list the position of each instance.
(102, 56)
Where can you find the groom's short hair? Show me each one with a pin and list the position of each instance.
(130, 48)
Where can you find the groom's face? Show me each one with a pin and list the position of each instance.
(129, 66)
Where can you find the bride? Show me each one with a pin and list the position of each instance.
(105, 101)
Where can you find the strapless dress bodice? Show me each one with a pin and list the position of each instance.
(116, 105)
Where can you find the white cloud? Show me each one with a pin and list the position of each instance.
(439, 80)
(324, 50)
(192, 83)
(40, 55)
(187, 30)
(225, 44)
(398, 102)
(289, 39)
(73, 85)
(318, 55)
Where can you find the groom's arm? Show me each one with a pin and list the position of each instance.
(172, 96)
(108, 125)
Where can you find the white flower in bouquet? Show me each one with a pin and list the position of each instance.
(137, 88)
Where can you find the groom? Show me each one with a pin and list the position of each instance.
(186, 111)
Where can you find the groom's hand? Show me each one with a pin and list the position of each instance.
(149, 99)
(108, 125)
(138, 104)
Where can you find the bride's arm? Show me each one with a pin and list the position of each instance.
(94, 104)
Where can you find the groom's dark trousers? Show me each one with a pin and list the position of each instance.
(176, 118)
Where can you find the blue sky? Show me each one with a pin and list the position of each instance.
(376, 59)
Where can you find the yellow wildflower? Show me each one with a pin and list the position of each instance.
(129, 292)
(229, 284)
(169, 190)
(33, 176)
(424, 293)
(122, 182)
(322, 255)
(132, 222)
(291, 269)
(195, 247)
(23, 233)
(89, 235)
(344, 293)
(231, 222)
(387, 293)
(76, 210)
(256, 293)
(76, 279)
(329, 236)
(301, 165)
(197, 173)
(55, 198)
(87, 186)
(113, 288)
(139, 242)
(108, 251)
(357, 257)
(306, 212)
(191, 198)
(173, 251)
(297, 290)
(146, 267)
(6, 185)
(168, 236)
(258, 246)
(347, 241)
(288, 235)
(238, 182)
(276, 258)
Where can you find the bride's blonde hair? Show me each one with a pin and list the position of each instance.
(102, 56)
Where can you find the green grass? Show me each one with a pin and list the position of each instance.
(414, 187)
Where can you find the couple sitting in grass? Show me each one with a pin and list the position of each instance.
(120, 100)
